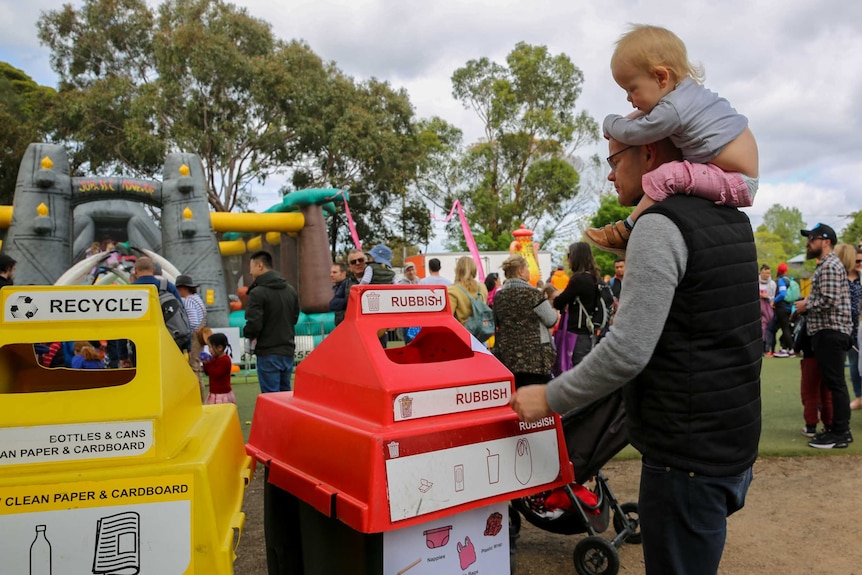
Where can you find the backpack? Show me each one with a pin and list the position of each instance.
(381, 274)
(794, 292)
(481, 323)
(599, 319)
(176, 318)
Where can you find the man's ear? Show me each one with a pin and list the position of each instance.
(662, 76)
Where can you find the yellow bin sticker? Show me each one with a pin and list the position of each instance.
(52, 443)
(134, 526)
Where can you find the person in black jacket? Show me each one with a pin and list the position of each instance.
(7, 270)
(270, 316)
(340, 290)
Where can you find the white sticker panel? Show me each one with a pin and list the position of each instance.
(475, 541)
(432, 402)
(122, 526)
(51, 306)
(404, 301)
(427, 482)
(49, 443)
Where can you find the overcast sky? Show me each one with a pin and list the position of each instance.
(792, 66)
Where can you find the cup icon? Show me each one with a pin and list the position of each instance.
(394, 450)
(493, 468)
(406, 403)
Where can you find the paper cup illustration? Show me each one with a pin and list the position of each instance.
(406, 403)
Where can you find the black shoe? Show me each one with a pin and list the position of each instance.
(809, 431)
(831, 440)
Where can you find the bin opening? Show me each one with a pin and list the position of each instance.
(33, 368)
(430, 345)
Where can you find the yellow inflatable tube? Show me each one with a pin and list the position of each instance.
(282, 222)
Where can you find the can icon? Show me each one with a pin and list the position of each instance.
(406, 403)
(373, 301)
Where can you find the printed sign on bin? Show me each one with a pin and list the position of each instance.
(41, 306)
(404, 301)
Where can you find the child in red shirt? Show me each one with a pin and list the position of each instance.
(218, 369)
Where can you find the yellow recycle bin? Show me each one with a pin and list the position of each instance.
(111, 471)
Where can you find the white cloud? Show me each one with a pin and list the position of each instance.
(792, 66)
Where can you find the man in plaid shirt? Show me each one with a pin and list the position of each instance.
(829, 325)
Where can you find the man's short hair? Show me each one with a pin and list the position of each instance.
(6, 263)
(765, 267)
(263, 257)
(619, 260)
(434, 265)
(341, 266)
(144, 264)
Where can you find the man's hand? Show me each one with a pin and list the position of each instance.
(530, 403)
(801, 305)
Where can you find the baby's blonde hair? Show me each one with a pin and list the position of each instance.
(645, 47)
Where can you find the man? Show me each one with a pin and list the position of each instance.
(271, 313)
(767, 313)
(434, 277)
(7, 270)
(827, 308)
(197, 313)
(340, 290)
(616, 282)
(145, 274)
(691, 370)
(409, 274)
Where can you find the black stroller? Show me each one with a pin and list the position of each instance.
(594, 434)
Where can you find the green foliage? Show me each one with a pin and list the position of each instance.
(770, 249)
(784, 223)
(523, 170)
(852, 234)
(204, 76)
(609, 211)
(24, 106)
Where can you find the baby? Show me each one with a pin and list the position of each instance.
(720, 154)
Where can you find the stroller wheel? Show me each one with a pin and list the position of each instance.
(596, 556)
(630, 520)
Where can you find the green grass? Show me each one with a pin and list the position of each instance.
(782, 412)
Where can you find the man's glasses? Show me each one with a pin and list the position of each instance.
(812, 240)
(357, 261)
(610, 158)
(858, 262)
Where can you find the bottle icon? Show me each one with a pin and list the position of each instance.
(40, 553)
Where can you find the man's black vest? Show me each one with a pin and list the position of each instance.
(696, 406)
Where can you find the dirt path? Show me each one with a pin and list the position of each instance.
(802, 516)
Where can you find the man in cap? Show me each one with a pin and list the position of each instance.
(827, 309)
(409, 274)
(197, 313)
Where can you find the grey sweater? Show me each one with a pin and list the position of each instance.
(655, 264)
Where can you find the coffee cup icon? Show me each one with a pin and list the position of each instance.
(406, 404)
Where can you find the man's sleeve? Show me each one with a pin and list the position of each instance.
(655, 263)
(253, 317)
(660, 123)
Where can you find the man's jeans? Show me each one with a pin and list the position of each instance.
(273, 372)
(683, 518)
